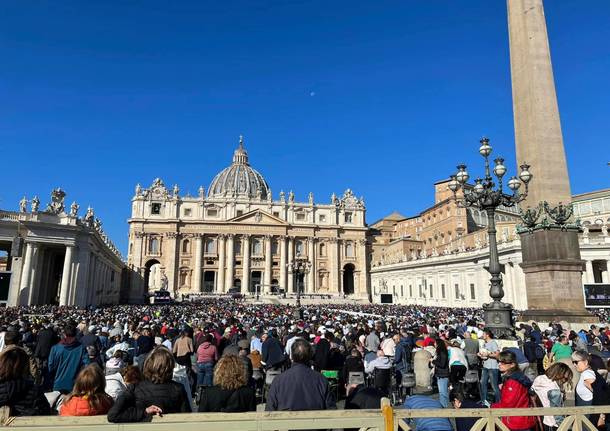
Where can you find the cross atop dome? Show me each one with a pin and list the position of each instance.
(240, 156)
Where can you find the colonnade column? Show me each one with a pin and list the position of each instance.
(245, 285)
(283, 268)
(26, 273)
(66, 276)
(606, 274)
(312, 270)
(590, 276)
(290, 259)
(197, 285)
(230, 262)
(220, 244)
(268, 266)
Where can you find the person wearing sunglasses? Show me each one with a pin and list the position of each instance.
(584, 387)
(514, 393)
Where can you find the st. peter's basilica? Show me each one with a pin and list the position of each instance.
(239, 238)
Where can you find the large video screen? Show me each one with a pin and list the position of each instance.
(597, 295)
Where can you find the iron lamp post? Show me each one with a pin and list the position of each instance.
(299, 266)
(487, 197)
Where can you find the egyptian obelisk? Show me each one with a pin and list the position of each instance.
(551, 254)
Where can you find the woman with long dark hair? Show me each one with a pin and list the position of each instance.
(441, 371)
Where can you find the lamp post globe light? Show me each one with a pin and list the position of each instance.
(487, 197)
(299, 266)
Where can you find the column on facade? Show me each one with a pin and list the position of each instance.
(268, 264)
(197, 285)
(311, 254)
(66, 275)
(290, 274)
(230, 262)
(283, 269)
(245, 241)
(26, 273)
(335, 283)
(362, 265)
(589, 268)
(171, 251)
(220, 244)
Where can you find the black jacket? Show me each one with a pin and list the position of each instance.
(131, 405)
(441, 364)
(300, 388)
(216, 399)
(45, 339)
(362, 397)
(320, 357)
(272, 353)
(23, 398)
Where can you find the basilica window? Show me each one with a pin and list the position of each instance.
(274, 248)
(153, 246)
(188, 212)
(431, 291)
(237, 247)
(130, 247)
(410, 291)
(322, 249)
(443, 291)
(457, 291)
(184, 277)
(239, 212)
(212, 212)
(402, 290)
(257, 247)
(299, 248)
(185, 246)
(322, 218)
(349, 249)
(472, 291)
(276, 214)
(155, 208)
(300, 216)
(348, 217)
(210, 246)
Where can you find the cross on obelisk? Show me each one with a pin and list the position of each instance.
(551, 256)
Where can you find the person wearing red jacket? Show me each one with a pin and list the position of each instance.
(514, 393)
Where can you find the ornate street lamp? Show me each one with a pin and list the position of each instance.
(299, 266)
(485, 196)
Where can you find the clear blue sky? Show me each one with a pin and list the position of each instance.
(384, 97)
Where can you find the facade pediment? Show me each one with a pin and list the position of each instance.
(258, 217)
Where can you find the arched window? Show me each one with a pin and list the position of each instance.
(130, 247)
(349, 249)
(257, 247)
(153, 246)
(185, 246)
(210, 246)
(322, 249)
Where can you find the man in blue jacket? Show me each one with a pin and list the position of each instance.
(300, 387)
(66, 359)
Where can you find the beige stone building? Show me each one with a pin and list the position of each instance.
(442, 229)
(53, 256)
(238, 237)
(459, 278)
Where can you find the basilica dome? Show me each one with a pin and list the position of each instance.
(239, 180)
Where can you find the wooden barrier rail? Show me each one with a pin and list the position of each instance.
(388, 419)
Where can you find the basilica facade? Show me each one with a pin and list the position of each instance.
(237, 237)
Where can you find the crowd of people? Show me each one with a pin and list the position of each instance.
(132, 362)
